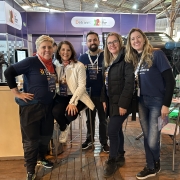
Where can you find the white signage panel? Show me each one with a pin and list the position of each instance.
(10, 16)
(2, 13)
(92, 22)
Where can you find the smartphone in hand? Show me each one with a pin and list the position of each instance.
(162, 122)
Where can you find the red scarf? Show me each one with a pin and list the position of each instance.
(48, 64)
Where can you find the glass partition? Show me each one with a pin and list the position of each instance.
(8, 44)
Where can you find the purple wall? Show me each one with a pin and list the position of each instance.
(127, 22)
(60, 23)
(76, 41)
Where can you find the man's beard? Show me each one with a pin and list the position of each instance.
(94, 48)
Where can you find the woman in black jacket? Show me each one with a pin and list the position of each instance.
(116, 97)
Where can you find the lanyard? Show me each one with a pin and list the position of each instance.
(63, 72)
(43, 64)
(138, 67)
(95, 62)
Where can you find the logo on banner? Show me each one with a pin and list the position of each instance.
(97, 22)
(11, 17)
(89, 22)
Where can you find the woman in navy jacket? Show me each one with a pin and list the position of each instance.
(35, 102)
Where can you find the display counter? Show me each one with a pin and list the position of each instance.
(10, 134)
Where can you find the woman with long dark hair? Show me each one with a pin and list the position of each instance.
(71, 95)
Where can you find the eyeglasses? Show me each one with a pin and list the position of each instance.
(113, 42)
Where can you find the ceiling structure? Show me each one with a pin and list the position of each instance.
(162, 8)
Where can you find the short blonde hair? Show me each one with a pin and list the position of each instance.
(43, 38)
(107, 55)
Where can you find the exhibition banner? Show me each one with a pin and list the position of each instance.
(10, 16)
(92, 22)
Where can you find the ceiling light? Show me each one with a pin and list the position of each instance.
(25, 7)
(47, 4)
(135, 6)
(53, 10)
(96, 5)
(104, 0)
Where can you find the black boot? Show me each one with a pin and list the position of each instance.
(120, 160)
(110, 168)
(157, 166)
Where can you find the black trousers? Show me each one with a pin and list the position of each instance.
(102, 121)
(60, 113)
(37, 125)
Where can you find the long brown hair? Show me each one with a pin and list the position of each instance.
(131, 54)
(73, 55)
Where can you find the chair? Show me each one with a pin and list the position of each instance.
(80, 127)
(174, 132)
(173, 135)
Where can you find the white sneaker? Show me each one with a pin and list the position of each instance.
(64, 135)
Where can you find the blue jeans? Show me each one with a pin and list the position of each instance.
(116, 136)
(149, 111)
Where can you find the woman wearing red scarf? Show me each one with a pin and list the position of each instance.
(35, 102)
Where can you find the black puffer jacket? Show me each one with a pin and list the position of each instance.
(120, 86)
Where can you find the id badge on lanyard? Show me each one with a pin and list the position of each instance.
(137, 78)
(93, 68)
(63, 87)
(106, 76)
(51, 82)
(51, 78)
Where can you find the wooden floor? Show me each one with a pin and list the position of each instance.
(67, 166)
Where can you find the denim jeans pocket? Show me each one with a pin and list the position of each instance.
(157, 101)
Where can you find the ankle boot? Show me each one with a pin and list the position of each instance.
(110, 168)
(157, 166)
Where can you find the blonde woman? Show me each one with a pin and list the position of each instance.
(35, 102)
(155, 89)
(116, 97)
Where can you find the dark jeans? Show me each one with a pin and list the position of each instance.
(60, 113)
(116, 136)
(102, 121)
(37, 125)
(149, 111)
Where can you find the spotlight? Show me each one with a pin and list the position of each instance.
(135, 6)
(96, 5)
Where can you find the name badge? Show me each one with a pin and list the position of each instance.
(63, 87)
(51, 82)
(93, 70)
